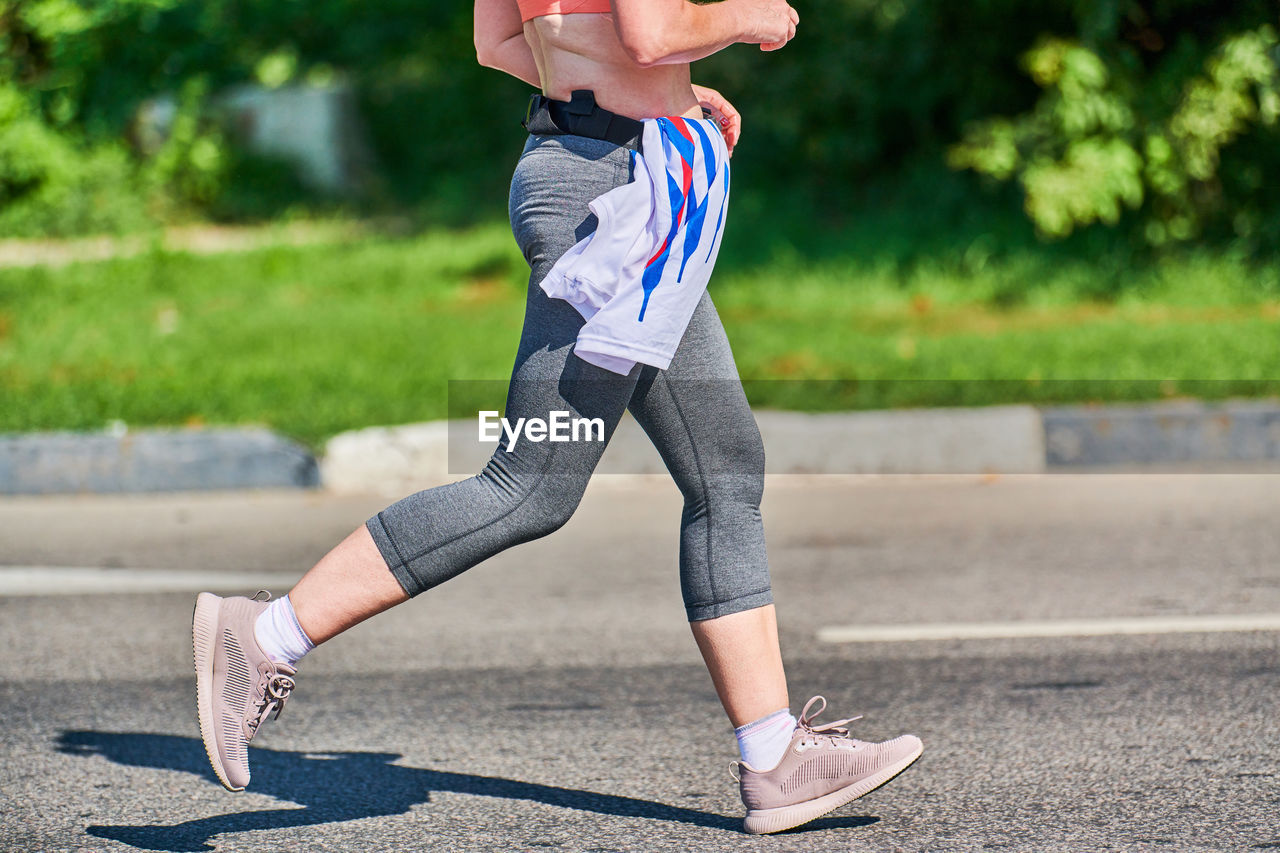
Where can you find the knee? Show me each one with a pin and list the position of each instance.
(540, 507)
(550, 508)
(733, 474)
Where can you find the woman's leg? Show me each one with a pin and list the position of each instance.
(698, 417)
(348, 585)
(245, 650)
(742, 654)
(427, 538)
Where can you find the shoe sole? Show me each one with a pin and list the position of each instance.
(765, 821)
(204, 637)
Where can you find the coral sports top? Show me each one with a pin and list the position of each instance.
(530, 9)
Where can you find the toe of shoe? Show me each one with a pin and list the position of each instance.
(237, 777)
(903, 747)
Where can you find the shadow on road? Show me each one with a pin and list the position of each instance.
(342, 786)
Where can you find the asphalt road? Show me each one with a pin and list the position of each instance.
(552, 699)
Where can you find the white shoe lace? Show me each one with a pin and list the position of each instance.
(275, 693)
(830, 731)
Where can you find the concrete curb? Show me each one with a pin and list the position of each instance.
(985, 440)
(1004, 439)
(152, 461)
(402, 459)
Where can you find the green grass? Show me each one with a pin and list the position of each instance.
(319, 339)
(1199, 326)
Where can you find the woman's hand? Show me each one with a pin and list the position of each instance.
(772, 23)
(726, 117)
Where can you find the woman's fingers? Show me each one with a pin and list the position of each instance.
(724, 113)
(777, 45)
(731, 127)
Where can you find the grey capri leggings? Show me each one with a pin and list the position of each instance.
(695, 413)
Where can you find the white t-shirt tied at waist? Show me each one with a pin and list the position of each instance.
(638, 278)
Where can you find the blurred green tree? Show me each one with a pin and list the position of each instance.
(1156, 116)
(1109, 135)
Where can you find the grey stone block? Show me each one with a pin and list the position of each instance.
(1182, 431)
(152, 461)
(979, 440)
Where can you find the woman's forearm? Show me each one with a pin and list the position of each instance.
(500, 42)
(514, 57)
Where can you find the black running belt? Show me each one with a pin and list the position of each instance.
(581, 116)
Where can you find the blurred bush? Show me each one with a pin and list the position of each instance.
(1153, 117)
(50, 185)
(1098, 142)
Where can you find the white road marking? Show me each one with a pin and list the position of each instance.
(61, 580)
(1051, 628)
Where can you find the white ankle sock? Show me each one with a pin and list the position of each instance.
(763, 742)
(279, 634)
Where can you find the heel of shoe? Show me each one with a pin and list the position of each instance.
(204, 628)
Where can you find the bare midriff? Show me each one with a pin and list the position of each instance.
(583, 52)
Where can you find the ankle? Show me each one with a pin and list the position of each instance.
(279, 635)
(763, 742)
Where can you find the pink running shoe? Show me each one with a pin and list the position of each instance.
(237, 685)
(822, 769)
